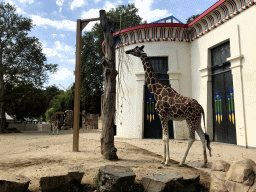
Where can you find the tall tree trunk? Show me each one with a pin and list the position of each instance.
(108, 149)
(2, 111)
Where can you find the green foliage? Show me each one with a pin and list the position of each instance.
(24, 100)
(49, 112)
(129, 17)
(61, 102)
(92, 57)
(22, 57)
(192, 18)
(23, 67)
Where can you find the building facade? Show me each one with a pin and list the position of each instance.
(212, 60)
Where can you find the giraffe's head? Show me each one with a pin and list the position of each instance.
(137, 51)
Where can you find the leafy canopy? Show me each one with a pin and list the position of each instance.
(22, 60)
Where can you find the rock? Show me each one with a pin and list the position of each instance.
(13, 183)
(220, 165)
(241, 171)
(218, 175)
(115, 178)
(236, 187)
(158, 182)
(240, 176)
(61, 181)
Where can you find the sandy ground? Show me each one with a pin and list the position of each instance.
(35, 154)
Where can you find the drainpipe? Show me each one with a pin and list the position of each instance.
(242, 87)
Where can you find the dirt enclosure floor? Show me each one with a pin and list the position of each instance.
(34, 154)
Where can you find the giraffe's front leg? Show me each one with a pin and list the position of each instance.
(167, 161)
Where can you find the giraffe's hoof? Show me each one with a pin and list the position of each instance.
(204, 166)
(180, 164)
(167, 164)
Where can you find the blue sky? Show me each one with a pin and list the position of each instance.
(55, 22)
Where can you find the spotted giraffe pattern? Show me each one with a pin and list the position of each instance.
(170, 105)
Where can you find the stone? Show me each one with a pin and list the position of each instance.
(218, 181)
(63, 181)
(13, 183)
(242, 171)
(240, 176)
(115, 178)
(218, 174)
(236, 187)
(165, 181)
(220, 165)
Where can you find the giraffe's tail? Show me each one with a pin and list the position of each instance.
(207, 138)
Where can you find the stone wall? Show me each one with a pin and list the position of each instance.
(31, 127)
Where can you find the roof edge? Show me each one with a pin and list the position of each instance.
(217, 4)
(151, 25)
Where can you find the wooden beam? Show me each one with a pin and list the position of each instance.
(88, 20)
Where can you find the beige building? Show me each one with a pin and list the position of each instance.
(212, 60)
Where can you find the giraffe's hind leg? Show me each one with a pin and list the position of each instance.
(190, 142)
(202, 137)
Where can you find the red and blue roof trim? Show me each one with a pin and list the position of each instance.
(216, 15)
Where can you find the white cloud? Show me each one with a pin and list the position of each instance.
(54, 35)
(63, 47)
(147, 12)
(49, 52)
(92, 13)
(60, 3)
(78, 3)
(27, 1)
(44, 44)
(62, 74)
(62, 36)
(63, 24)
(198, 10)
(96, 1)
(95, 13)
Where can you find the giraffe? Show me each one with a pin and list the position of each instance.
(170, 105)
(55, 120)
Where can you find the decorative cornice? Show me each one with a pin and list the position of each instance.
(216, 15)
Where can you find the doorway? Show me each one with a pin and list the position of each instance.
(224, 129)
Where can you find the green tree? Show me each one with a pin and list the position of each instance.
(24, 100)
(192, 18)
(92, 56)
(21, 59)
(50, 92)
(61, 102)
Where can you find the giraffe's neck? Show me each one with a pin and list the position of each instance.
(150, 75)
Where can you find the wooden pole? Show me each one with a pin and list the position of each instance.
(80, 26)
(77, 87)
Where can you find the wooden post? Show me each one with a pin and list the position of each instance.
(108, 149)
(80, 26)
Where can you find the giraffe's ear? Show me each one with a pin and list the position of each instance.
(142, 47)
